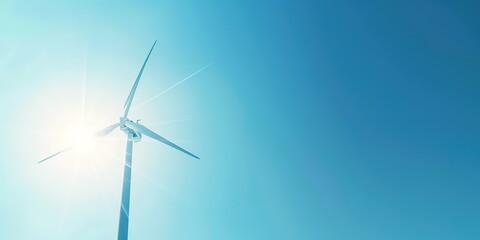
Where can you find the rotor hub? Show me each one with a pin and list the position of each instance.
(133, 135)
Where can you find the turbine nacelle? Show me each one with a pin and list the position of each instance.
(133, 135)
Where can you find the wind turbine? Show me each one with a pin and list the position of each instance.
(134, 131)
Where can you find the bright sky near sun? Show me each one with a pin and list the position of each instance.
(313, 119)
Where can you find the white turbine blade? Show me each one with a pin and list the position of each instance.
(53, 155)
(142, 129)
(102, 133)
(128, 102)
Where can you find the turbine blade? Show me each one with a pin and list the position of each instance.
(142, 129)
(128, 102)
(53, 155)
(104, 132)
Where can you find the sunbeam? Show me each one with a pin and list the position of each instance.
(169, 88)
(102, 188)
(140, 173)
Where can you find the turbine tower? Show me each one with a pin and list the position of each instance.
(134, 132)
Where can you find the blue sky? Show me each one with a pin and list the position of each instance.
(315, 120)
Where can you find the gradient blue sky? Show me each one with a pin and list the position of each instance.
(316, 120)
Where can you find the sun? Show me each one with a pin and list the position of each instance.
(81, 136)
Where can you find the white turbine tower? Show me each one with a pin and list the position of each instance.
(134, 131)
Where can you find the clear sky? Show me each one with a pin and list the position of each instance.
(315, 120)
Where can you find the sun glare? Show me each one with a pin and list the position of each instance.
(81, 137)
